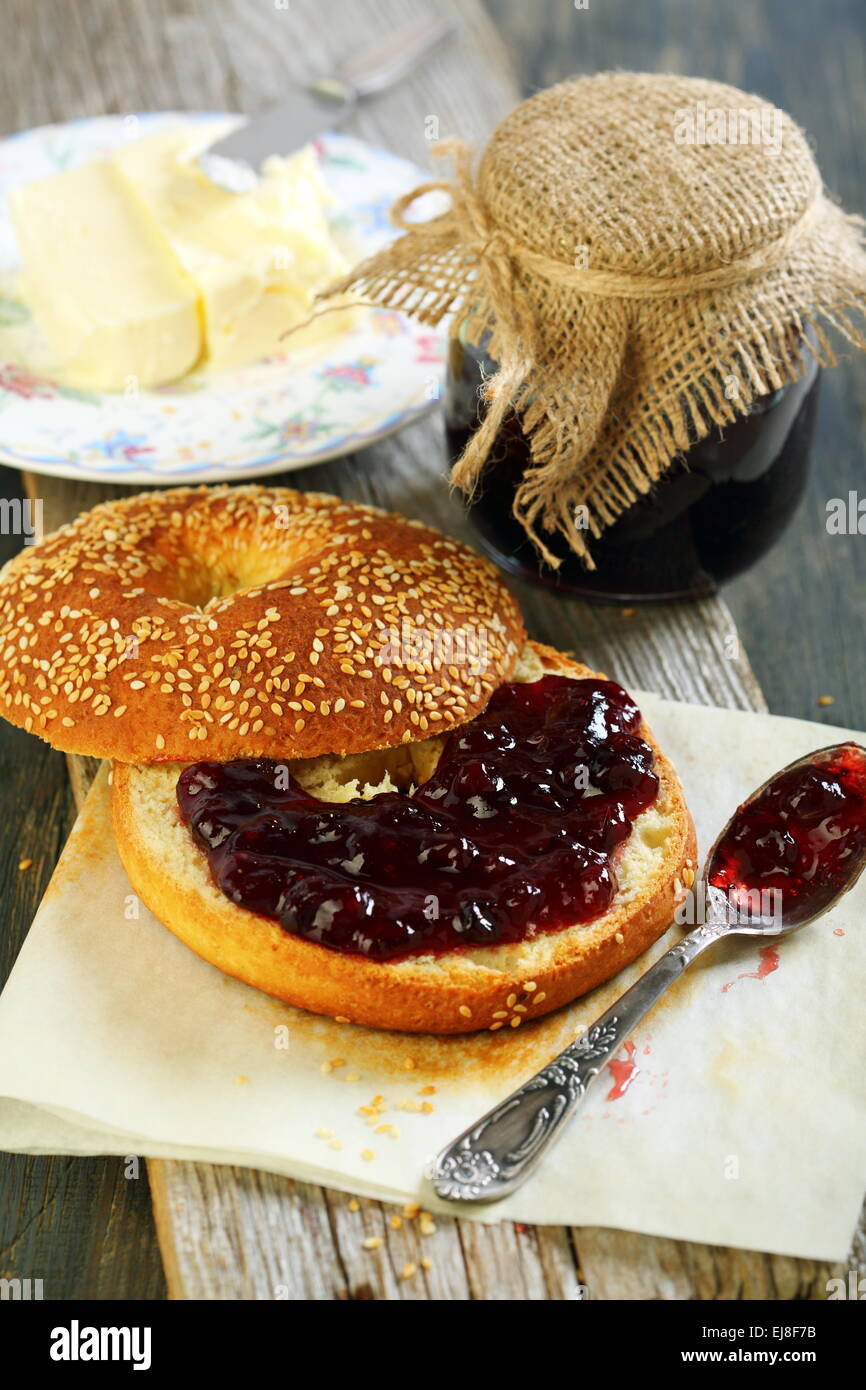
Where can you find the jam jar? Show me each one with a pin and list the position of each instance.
(715, 512)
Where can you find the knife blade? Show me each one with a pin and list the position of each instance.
(233, 162)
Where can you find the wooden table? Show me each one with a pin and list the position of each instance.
(228, 1233)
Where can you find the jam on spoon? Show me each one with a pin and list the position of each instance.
(515, 832)
(803, 834)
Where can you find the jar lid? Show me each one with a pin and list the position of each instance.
(640, 253)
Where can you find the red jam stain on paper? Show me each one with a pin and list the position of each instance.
(768, 963)
(623, 1070)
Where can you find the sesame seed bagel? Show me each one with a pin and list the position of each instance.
(233, 622)
(457, 992)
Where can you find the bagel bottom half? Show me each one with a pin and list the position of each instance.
(457, 992)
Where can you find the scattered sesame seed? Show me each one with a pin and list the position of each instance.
(619, 938)
(408, 1270)
(24, 864)
(367, 1155)
(465, 1011)
(826, 699)
(372, 1242)
(354, 1204)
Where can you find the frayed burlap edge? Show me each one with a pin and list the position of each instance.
(605, 422)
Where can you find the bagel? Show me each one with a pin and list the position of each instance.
(234, 622)
(457, 991)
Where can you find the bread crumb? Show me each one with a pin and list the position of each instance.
(411, 1210)
(354, 1204)
(242, 1081)
(408, 1270)
(409, 1064)
(336, 1144)
(396, 1222)
(627, 612)
(427, 1091)
(324, 1134)
(367, 1155)
(353, 1076)
(426, 1262)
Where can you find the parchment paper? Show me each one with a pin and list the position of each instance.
(738, 1119)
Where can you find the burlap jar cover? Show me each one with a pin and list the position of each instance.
(640, 254)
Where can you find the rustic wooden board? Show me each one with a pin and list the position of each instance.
(228, 1233)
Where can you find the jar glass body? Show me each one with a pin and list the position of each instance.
(716, 511)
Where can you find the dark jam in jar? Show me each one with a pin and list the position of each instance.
(516, 830)
(803, 836)
(715, 512)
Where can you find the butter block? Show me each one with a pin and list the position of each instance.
(257, 258)
(109, 294)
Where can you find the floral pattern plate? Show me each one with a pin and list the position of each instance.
(285, 412)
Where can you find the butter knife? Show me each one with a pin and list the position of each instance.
(233, 162)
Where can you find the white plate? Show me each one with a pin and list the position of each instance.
(286, 412)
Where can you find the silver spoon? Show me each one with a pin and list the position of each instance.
(495, 1155)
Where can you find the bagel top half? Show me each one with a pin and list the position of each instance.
(233, 622)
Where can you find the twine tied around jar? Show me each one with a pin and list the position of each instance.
(634, 290)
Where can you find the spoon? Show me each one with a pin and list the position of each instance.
(785, 857)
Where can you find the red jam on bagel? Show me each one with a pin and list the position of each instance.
(513, 832)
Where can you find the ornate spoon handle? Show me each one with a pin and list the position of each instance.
(494, 1156)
